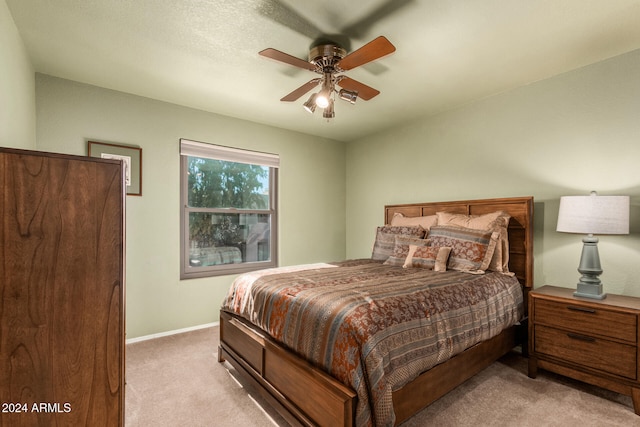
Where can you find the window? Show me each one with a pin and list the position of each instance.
(228, 210)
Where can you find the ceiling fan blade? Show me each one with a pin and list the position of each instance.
(362, 27)
(371, 51)
(287, 59)
(285, 15)
(365, 92)
(293, 96)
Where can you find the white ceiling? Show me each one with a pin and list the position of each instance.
(204, 53)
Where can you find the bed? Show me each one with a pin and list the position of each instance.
(308, 371)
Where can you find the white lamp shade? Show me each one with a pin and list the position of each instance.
(594, 214)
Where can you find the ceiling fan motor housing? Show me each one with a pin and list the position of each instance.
(326, 56)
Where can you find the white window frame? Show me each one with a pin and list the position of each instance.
(189, 148)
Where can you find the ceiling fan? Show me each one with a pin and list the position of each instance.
(330, 60)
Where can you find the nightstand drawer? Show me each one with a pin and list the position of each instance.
(587, 320)
(585, 350)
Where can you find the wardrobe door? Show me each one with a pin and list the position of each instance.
(61, 290)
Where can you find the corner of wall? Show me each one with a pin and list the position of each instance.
(17, 86)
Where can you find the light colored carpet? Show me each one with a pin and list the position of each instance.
(177, 381)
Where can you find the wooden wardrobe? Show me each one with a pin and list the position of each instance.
(61, 290)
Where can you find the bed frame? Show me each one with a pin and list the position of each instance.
(307, 396)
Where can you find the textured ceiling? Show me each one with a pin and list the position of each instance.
(204, 53)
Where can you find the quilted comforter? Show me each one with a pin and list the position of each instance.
(375, 327)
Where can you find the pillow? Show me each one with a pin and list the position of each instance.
(401, 249)
(386, 239)
(425, 222)
(495, 221)
(471, 250)
(428, 257)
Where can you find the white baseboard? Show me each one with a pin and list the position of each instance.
(174, 332)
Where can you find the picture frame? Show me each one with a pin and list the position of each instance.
(131, 157)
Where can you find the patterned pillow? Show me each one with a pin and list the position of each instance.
(428, 257)
(471, 250)
(495, 221)
(425, 222)
(401, 249)
(386, 239)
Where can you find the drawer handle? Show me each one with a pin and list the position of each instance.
(583, 309)
(581, 337)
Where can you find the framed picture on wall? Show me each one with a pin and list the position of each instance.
(131, 158)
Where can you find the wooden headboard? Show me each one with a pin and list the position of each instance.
(520, 225)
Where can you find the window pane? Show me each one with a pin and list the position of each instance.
(228, 217)
(217, 238)
(223, 184)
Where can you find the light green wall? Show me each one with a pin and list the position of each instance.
(17, 87)
(311, 191)
(567, 135)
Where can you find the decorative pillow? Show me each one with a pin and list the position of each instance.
(428, 257)
(401, 249)
(386, 239)
(425, 222)
(495, 221)
(471, 250)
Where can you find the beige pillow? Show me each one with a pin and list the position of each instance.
(425, 222)
(428, 257)
(494, 221)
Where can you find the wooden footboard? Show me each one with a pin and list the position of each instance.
(307, 396)
(301, 393)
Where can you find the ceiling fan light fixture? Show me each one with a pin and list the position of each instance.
(329, 112)
(348, 95)
(324, 96)
(310, 105)
(323, 99)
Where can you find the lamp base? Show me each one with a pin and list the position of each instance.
(588, 290)
(589, 285)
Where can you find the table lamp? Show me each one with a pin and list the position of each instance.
(591, 215)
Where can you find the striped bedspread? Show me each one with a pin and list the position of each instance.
(375, 327)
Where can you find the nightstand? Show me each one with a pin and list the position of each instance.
(595, 341)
